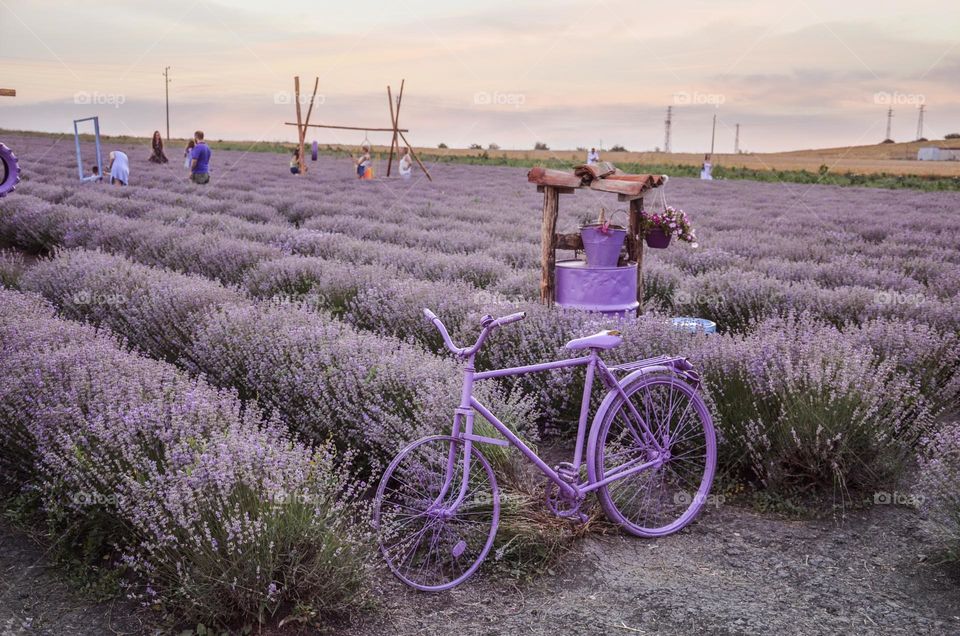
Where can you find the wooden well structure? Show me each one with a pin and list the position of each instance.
(303, 123)
(599, 177)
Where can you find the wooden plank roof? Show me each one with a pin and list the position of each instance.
(601, 177)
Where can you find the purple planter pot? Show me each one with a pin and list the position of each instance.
(608, 290)
(657, 239)
(602, 248)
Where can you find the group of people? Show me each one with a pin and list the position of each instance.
(706, 169)
(196, 159)
(363, 163)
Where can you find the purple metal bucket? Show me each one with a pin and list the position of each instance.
(608, 290)
(602, 248)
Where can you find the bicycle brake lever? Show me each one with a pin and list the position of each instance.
(486, 321)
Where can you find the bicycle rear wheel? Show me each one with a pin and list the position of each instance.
(666, 497)
(428, 541)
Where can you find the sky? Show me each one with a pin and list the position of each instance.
(793, 74)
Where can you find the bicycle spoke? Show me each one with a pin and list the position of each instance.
(663, 498)
(429, 541)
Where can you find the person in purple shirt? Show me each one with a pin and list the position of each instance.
(200, 160)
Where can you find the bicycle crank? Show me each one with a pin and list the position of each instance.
(563, 505)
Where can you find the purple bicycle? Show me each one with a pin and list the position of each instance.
(650, 456)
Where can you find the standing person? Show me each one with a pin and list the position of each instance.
(200, 160)
(187, 152)
(363, 162)
(706, 170)
(295, 162)
(406, 164)
(158, 156)
(119, 168)
(593, 157)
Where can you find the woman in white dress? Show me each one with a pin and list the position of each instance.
(406, 164)
(706, 169)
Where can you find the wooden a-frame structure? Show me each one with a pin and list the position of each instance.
(398, 133)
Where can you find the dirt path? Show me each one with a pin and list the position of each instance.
(732, 572)
(35, 600)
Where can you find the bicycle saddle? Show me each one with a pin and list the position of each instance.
(606, 339)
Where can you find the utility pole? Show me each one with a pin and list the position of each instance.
(166, 82)
(736, 141)
(920, 123)
(713, 133)
(889, 123)
(666, 129)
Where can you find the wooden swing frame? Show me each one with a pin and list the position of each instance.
(303, 123)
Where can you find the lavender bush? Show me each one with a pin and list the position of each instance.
(216, 512)
(802, 405)
(939, 483)
(11, 268)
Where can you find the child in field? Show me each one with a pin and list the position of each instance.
(406, 164)
(295, 162)
(593, 157)
(119, 168)
(95, 169)
(364, 161)
(186, 153)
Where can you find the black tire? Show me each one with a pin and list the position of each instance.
(9, 171)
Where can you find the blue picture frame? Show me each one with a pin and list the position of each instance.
(76, 138)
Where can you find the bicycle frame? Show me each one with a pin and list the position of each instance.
(469, 405)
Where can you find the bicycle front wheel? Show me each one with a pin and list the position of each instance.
(432, 538)
(665, 497)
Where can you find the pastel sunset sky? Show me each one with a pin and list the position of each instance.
(794, 74)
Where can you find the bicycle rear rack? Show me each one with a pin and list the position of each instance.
(680, 365)
(661, 360)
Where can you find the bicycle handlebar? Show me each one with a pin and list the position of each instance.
(489, 324)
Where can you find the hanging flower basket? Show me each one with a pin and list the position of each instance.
(660, 227)
(657, 238)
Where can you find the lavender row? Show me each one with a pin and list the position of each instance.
(34, 225)
(816, 239)
(321, 378)
(214, 511)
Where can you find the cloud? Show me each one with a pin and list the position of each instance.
(579, 73)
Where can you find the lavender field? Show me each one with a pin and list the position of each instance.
(199, 384)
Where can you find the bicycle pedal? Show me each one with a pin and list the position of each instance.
(566, 471)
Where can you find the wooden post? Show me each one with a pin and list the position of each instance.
(301, 130)
(635, 246)
(395, 120)
(548, 254)
(306, 123)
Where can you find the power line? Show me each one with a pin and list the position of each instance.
(166, 83)
(666, 129)
(920, 122)
(889, 123)
(736, 141)
(713, 133)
